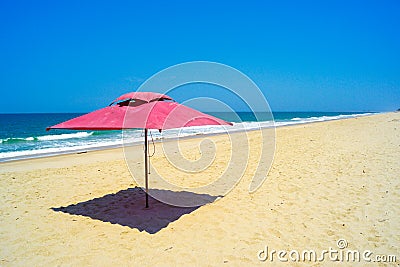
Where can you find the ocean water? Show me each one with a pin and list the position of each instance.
(25, 136)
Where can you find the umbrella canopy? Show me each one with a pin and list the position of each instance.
(154, 115)
(144, 96)
(144, 110)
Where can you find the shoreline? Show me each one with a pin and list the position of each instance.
(138, 143)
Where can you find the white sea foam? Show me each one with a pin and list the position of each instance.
(64, 136)
(47, 137)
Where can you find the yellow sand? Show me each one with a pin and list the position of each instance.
(329, 180)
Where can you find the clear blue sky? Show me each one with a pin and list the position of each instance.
(76, 56)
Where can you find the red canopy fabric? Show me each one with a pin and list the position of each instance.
(153, 115)
(144, 96)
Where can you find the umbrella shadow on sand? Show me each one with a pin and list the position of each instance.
(126, 208)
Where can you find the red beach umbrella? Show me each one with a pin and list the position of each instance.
(144, 110)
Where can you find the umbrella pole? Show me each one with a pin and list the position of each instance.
(145, 168)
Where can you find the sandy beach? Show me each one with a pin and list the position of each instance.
(329, 181)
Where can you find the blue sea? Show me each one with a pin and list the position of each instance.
(24, 135)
